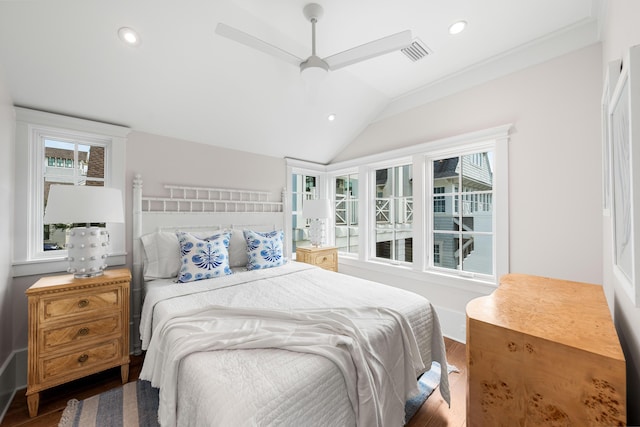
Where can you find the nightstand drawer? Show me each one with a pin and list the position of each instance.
(327, 260)
(80, 360)
(80, 303)
(324, 257)
(78, 333)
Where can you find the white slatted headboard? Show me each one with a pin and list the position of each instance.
(192, 208)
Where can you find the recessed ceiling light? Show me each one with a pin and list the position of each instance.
(331, 117)
(129, 36)
(458, 27)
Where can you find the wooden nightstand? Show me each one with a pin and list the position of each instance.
(77, 327)
(324, 256)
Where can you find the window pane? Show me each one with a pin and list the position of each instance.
(404, 247)
(394, 213)
(94, 158)
(448, 250)
(346, 213)
(303, 187)
(477, 253)
(448, 220)
(463, 203)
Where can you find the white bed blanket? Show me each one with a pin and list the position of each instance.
(374, 348)
(278, 387)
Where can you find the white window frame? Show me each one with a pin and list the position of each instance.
(494, 139)
(300, 167)
(372, 212)
(333, 197)
(31, 128)
(463, 150)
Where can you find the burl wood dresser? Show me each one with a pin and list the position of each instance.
(544, 352)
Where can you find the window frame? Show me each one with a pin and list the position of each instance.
(372, 231)
(300, 167)
(348, 212)
(32, 127)
(495, 139)
(458, 200)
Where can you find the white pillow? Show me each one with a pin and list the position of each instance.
(237, 249)
(161, 255)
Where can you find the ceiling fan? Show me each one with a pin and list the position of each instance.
(314, 65)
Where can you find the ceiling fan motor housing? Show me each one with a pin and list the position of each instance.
(312, 11)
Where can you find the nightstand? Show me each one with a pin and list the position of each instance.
(77, 327)
(323, 256)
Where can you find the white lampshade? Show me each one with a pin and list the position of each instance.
(316, 209)
(87, 247)
(68, 204)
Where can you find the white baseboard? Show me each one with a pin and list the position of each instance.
(13, 377)
(453, 324)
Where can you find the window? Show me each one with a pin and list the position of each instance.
(303, 187)
(55, 149)
(438, 201)
(346, 213)
(433, 213)
(69, 152)
(394, 213)
(463, 230)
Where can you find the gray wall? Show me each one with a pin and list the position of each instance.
(620, 32)
(6, 242)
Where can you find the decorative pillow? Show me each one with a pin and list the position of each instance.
(162, 255)
(203, 259)
(264, 249)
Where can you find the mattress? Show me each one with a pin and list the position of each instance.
(275, 386)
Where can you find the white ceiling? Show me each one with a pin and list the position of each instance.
(185, 81)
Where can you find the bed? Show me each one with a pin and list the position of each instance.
(277, 343)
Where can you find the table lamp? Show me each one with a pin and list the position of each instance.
(317, 210)
(87, 246)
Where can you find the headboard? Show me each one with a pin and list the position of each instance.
(192, 208)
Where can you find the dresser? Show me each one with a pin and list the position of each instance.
(77, 327)
(545, 352)
(323, 256)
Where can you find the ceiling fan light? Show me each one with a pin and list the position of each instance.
(314, 69)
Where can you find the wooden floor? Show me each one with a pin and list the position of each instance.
(433, 413)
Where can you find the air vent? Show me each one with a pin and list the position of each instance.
(416, 50)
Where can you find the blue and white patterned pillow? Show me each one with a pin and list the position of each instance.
(264, 250)
(203, 258)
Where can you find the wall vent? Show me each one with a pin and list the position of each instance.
(417, 50)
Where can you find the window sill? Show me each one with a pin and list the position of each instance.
(438, 278)
(55, 265)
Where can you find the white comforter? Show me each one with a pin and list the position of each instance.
(320, 383)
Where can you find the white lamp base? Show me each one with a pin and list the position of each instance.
(316, 232)
(87, 247)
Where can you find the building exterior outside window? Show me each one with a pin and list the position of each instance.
(394, 213)
(462, 223)
(303, 187)
(346, 213)
(90, 160)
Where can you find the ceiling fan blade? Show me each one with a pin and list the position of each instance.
(254, 42)
(369, 50)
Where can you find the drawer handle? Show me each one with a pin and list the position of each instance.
(324, 258)
(83, 358)
(83, 331)
(83, 303)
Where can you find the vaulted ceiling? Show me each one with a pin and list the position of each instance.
(185, 81)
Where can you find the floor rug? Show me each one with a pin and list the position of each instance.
(135, 404)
